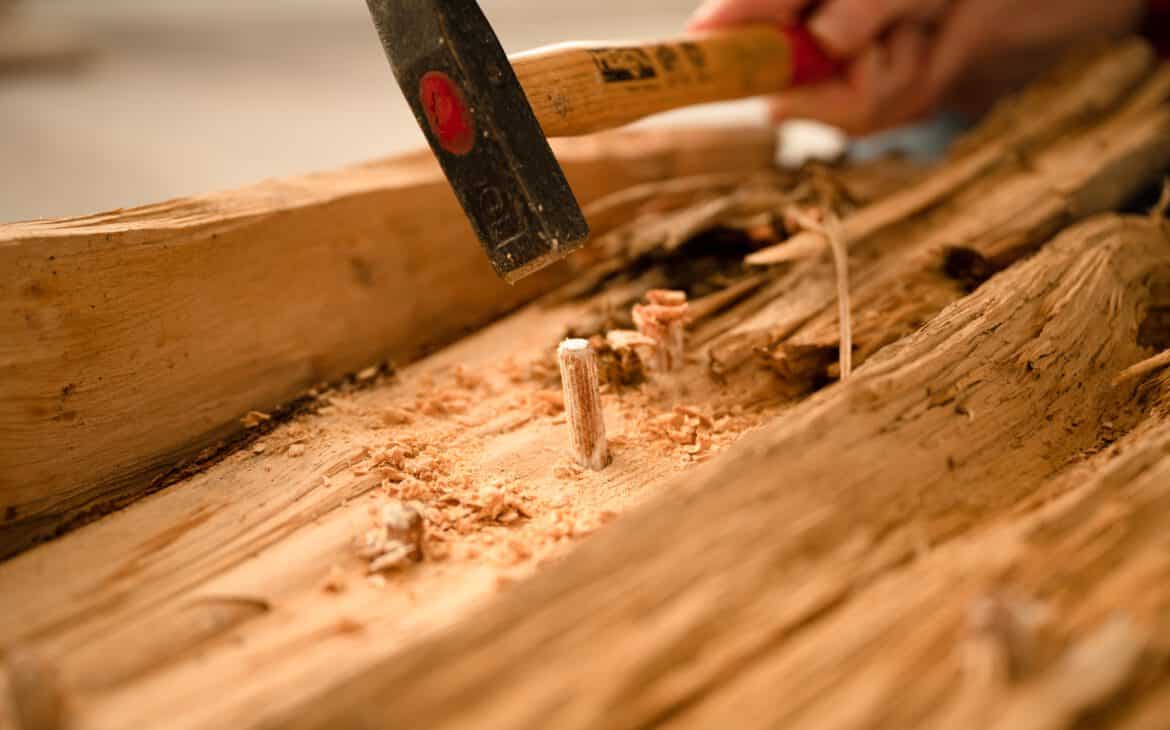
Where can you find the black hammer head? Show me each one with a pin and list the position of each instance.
(477, 119)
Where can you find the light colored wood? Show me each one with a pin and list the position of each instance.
(775, 571)
(1032, 117)
(582, 397)
(264, 530)
(580, 88)
(862, 511)
(1012, 205)
(995, 222)
(132, 340)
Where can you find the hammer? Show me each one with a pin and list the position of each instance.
(487, 117)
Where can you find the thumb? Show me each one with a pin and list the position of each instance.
(846, 27)
(956, 45)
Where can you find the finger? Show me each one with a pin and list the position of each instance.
(846, 102)
(899, 89)
(881, 90)
(956, 45)
(848, 26)
(722, 13)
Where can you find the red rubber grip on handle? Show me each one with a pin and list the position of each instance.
(810, 62)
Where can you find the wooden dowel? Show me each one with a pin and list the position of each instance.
(583, 404)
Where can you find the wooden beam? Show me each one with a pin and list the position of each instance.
(682, 612)
(132, 340)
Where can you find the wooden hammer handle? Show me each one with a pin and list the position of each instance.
(581, 88)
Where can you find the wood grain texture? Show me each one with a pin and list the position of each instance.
(949, 540)
(132, 340)
(688, 608)
(1093, 132)
(1084, 88)
(578, 88)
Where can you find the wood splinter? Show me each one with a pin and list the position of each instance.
(397, 539)
(664, 319)
(583, 404)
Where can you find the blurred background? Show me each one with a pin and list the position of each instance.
(115, 103)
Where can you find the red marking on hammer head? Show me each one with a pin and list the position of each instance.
(447, 113)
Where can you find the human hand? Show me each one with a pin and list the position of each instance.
(907, 57)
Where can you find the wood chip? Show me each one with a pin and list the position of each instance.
(254, 419)
(396, 540)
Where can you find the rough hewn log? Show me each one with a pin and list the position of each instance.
(652, 620)
(131, 341)
(237, 597)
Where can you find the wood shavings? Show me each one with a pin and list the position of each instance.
(394, 454)
(545, 403)
(497, 504)
(565, 523)
(467, 378)
(395, 416)
(424, 468)
(663, 319)
(569, 469)
(690, 432)
(444, 403)
(541, 370)
(512, 552)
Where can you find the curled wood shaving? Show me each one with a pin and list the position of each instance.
(663, 319)
(833, 233)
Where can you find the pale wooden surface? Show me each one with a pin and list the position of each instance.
(784, 568)
(132, 340)
(819, 575)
